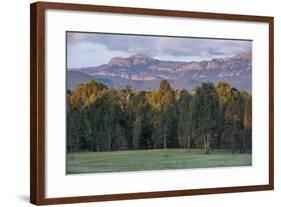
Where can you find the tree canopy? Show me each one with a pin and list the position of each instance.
(100, 118)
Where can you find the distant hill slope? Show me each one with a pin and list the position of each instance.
(143, 72)
(76, 77)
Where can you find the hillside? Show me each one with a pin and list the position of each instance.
(143, 72)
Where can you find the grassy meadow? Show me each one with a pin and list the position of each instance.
(156, 159)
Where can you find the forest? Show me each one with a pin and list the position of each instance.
(101, 118)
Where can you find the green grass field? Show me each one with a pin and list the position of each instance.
(135, 160)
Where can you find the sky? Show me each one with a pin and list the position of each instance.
(94, 49)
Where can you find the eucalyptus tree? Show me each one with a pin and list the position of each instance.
(234, 115)
(184, 119)
(205, 114)
(224, 93)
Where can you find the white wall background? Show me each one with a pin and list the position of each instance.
(14, 102)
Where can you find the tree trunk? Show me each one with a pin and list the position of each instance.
(97, 144)
(165, 139)
(109, 139)
(206, 144)
(243, 144)
(233, 139)
(188, 143)
(233, 144)
(165, 135)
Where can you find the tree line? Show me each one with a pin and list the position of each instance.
(101, 118)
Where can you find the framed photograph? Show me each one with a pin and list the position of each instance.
(130, 103)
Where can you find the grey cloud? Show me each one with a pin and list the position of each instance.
(157, 46)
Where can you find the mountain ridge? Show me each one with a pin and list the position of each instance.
(143, 72)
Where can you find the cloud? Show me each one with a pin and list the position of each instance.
(87, 54)
(175, 48)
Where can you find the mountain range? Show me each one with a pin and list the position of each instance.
(142, 72)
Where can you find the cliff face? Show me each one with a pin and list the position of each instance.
(143, 72)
